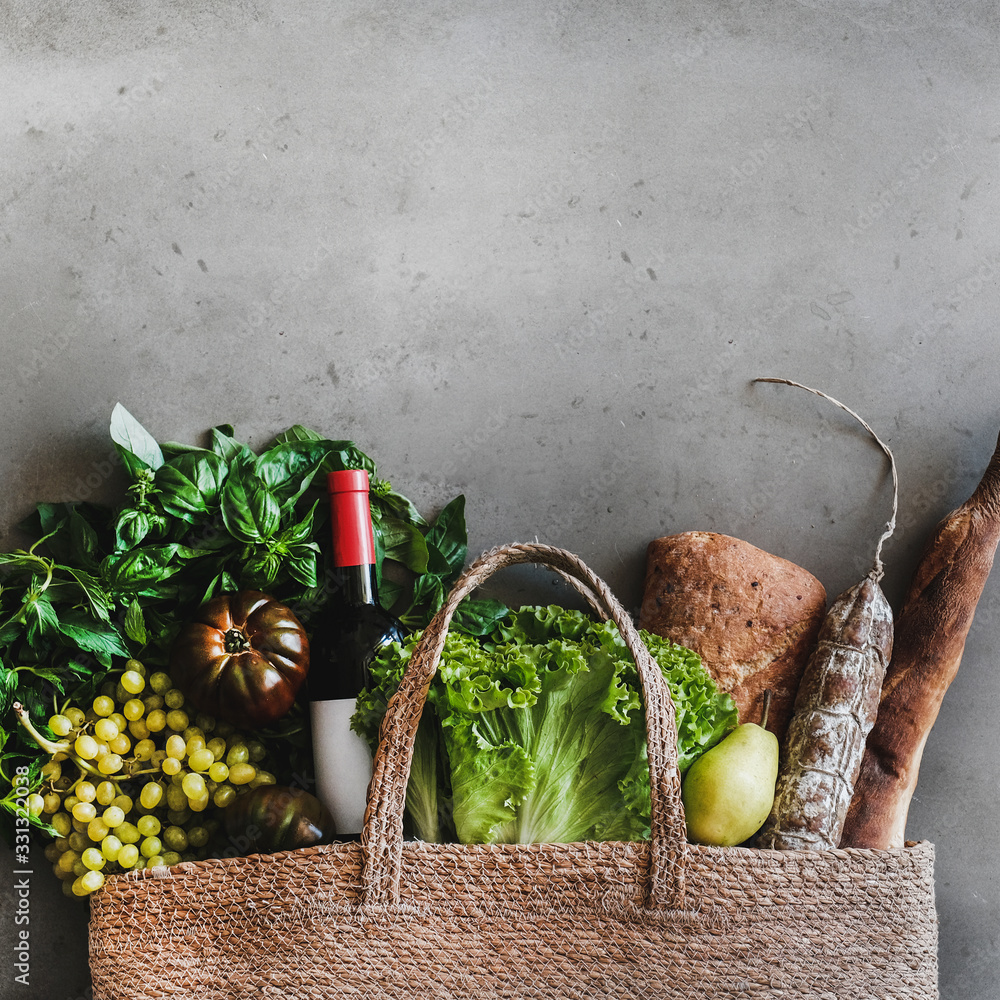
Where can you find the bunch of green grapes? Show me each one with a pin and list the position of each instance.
(133, 779)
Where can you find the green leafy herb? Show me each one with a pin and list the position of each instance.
(137, 447)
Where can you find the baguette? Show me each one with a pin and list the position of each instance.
(930, 636)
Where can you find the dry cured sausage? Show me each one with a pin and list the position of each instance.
(835, 707)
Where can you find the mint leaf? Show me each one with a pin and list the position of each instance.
(102, 645)
(8, 685)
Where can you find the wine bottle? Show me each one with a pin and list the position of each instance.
(351, 631)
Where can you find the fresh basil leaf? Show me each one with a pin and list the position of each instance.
(428, 591)
(391, 592)
(185, 503)
(134, 442)
(221, 581)
(250, 512)
(288, 467)
(379, 551)
(49, 526)
(206, 537)
(162, 626)
(171, 449)
(135, 467)
(210, 586)
(131, 527)
(186, 551)
(400, 506)
(403, 543)
(338, 454)
(82, 540)
(297, 433)
(346, 455)
(446, 541)
(478, 617)
(301, 563)
(261, 570)
(82, 534)
(44, 520)
(142, 567)
(225, 445)
(302, 530)
(135, 625)
(190, 484)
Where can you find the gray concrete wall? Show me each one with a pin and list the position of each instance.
(532, 253)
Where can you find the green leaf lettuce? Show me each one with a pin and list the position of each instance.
(536, 733)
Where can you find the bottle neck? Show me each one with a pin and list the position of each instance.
(356, 585)
(353, 543)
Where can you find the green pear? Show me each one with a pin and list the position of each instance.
(729, 790)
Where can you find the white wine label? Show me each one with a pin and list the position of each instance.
(343, 763)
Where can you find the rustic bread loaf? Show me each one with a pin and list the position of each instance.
(753, 617)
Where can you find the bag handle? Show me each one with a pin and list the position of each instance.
(382, 836)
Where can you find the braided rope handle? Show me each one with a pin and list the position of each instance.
(382, 837)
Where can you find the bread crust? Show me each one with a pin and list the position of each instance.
(753, 617)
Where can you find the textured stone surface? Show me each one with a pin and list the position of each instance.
(535, 254)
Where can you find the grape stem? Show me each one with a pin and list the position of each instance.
(47, 744)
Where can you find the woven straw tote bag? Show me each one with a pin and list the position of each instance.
(385, 918)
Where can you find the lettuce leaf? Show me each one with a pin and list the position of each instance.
(536, 732)
(428, 796)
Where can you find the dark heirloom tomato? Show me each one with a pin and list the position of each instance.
(242, 659)
(277, 818)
